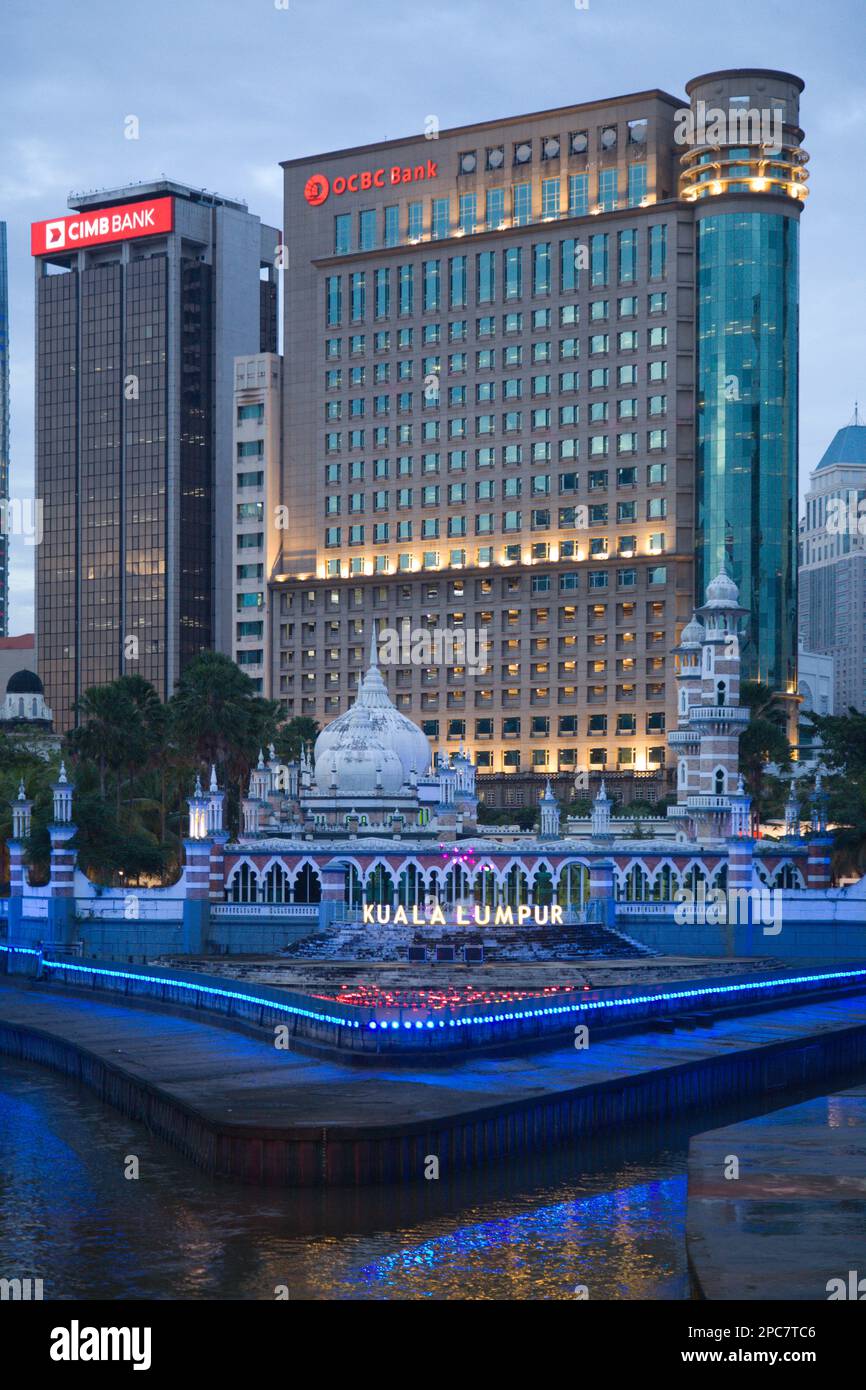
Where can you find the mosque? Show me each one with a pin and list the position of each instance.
(372, 815)
(370, 818)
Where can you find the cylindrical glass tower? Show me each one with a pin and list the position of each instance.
(744, 167)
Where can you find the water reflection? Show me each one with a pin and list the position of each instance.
(607, 1215)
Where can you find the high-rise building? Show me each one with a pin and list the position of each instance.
(530, 367)
(258, 424)
(833, 565)
(144, 296)
(5, 527)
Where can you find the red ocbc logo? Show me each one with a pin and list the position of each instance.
(316, 189)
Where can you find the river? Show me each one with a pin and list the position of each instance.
(605, 1217)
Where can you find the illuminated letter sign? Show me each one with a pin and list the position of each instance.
(318, 187)
(102, 225)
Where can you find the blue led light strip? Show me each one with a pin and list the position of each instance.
(634, 999)
(185, 984)
(384, 1026)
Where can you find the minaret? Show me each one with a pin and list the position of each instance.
(61, 831)
(712, 719)
(684, 739)
(197, 872)
(549, 814)
(601, 814)
(21, 809)
(218, 836)
(792, 814)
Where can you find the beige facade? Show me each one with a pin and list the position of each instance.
(488, 423)
(256, 504)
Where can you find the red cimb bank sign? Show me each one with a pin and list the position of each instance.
(104, 224)
(318, 186)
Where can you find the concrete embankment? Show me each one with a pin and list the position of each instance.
(242, 1108)
(777, 1204)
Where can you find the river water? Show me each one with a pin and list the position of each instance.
(607, 1217)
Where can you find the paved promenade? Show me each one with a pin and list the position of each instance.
(240, 1106)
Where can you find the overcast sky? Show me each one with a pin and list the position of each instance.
(225, 89)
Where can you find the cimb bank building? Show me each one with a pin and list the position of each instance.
(144, 297)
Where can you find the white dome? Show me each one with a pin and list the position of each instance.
(371, 725)
(722, 590)
(692, 634)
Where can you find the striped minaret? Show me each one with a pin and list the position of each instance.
(62, 832)
(21, 809)
(333, 904)
(601, 888)
(197, 847)
(818, 863)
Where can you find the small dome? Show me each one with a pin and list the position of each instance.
(692, 634)
(722, 589)
(24, 683)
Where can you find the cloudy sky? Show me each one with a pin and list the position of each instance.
(225, 89)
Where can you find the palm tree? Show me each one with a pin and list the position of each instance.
(216, 713)
(111, 732)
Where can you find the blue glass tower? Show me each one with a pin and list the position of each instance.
(4, 432)
(745, 169)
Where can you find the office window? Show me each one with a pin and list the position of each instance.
(541, 268)
(468, 212)
(367, 229)
(359, 296)
(486, 277)
(607, 190)
(342, 233)
(627, 256)
(334, 299)
(578, 195)
(495, 207)
(407, 289)
(636, 184)
(392, 226)
(658, 252)
(598, 259)
(430, 280)
(415, 221)
(522, 204)
(550, 197)
(513, 259)
(441, 219)
(458, 278)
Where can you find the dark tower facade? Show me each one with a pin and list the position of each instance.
(142, 301)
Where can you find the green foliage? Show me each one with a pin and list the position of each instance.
(843, 737)
(294, 735)
(134, 761)
(763, 741)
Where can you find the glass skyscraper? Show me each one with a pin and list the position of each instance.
(747, 178)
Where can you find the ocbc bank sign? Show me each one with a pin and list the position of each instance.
(319, 187)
